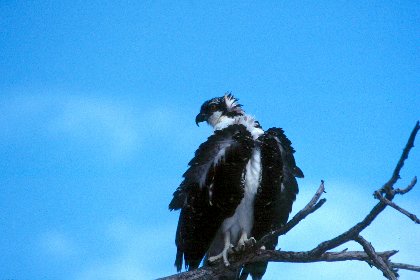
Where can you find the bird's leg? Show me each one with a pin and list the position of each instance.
(244, 241)
(226, 250)
(241, 242)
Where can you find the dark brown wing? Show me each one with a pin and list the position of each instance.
(211, 191)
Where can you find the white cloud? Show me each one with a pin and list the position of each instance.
(118, 269)
(92, 119)
(101, 125)
(57, 245)
(140, 252)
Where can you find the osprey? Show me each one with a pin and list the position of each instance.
(239, 186)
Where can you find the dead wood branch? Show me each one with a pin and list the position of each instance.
(388, 187)
(398, 208)
(375, 259)
(408, 188)
(405, 266)
(210, 272)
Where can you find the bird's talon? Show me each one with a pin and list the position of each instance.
(250, 242)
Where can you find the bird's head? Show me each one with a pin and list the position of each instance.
(217, 109)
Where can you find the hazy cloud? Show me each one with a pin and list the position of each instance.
(58, 245)
(139, 251)
(89, 119)
(106, 125)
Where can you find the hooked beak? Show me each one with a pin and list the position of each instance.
(200, 118)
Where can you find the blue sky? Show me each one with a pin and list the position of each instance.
(98, 101)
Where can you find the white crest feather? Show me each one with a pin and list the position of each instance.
(232, 103)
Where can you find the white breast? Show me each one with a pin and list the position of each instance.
(243, 218)
(252, 182)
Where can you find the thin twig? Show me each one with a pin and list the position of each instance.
(398, 208)
(405, 266)
(408, 188)
(396, 174)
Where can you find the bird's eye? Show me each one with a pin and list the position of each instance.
(213, 107)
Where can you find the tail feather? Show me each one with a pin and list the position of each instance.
(178, 260)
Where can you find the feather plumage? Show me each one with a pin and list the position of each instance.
(211, 191)
(241, 183)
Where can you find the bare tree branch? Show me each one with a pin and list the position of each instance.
(405, 266)
(305, 257)
(377, 261)
(213, 272)
(398, 208)
(388, 187)
(390, 193)
(408, 188)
